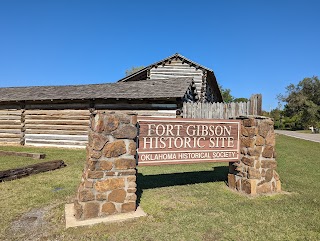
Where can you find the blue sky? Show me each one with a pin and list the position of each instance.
(252, 46)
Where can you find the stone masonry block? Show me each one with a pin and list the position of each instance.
(260, 140)
(132, 148)
(108, 208)
(249, 161)
(91, 210)
(86, 195)
(249, 122)
(128, 207)
(253, 173)
(109, 184)
(268, 151)
(117, 196)
(125, 132)
(264, 128)
(95, 174)
(269, 164)
(247, 142)
(125, 163)
(264, 188)
(114, 149)
(251, 131)
(111, 123)
(106, 165)
(98, 141)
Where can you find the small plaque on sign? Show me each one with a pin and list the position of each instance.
(174, 141)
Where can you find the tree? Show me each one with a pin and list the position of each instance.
(241, 99)
(133, 70)
(227, 97)
(226, 94)
(302, 108)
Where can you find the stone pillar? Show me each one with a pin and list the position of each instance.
(108, 184)
(255, 173)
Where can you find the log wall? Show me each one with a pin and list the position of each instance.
(58, 128)
(61, 128)
(10, 126)
(176, 68)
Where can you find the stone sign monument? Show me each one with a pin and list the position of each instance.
(108, 184)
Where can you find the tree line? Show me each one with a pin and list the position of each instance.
(301, 108)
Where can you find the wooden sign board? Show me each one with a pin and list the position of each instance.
(176, 141)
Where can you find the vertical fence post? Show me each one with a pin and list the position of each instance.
(23, 124)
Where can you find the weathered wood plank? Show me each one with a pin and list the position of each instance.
(10, 117)
(10, 140)
(58, 122)
(10, 131)
(103, 106)
(10, 122)
(57, 127)
(55, 132)
(60, 143)
(10, 112)
(222, 110)
(12, 174)
(10, 135)
(24, 154)
(51, 137)
(57, 117)
(17, 127)
(57, 112)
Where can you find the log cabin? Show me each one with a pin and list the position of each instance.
(59, 115)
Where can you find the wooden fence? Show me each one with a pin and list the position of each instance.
(223, 110)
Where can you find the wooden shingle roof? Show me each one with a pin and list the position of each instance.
(144, 89)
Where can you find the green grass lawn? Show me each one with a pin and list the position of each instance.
(183, 202)
(305, 131)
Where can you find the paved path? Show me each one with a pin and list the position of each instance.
(304, 136)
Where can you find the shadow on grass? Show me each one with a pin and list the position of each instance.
(218, 174)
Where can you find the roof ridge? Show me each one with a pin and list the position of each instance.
(163, 60)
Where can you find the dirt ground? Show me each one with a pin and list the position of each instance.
(33, 225)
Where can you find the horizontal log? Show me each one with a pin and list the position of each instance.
(9, 106)
(57, 112)
(12, 174)
(10, 117)
(11, 131)
(60, 143)
(10, 122)
(189, 72)
(56, 132)
(58, 117)
(124, 106)
(57, 146)
(57, 127)
(48, 137)
(58, 122)
(24, 154)
(10, 135)
(17, 127)
(9, 140)
(49, 106)
(10, 112)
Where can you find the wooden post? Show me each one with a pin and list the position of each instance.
(23, 124)
(255, 104)
(259, 104)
